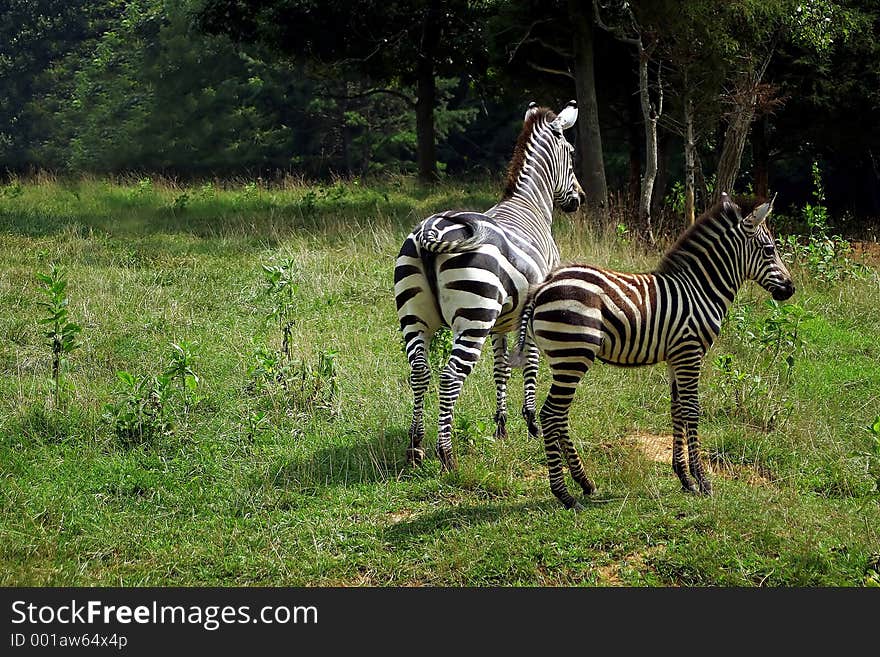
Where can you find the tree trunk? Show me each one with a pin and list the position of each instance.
(761, 157)
(689, 160)
(735, 136)
(589, 138)
(662, 180)
(634, 137)
(427, 92)
(650, 118)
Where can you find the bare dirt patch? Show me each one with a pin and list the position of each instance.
(866, 252)
(610, 574)
(658, 448)
(399, 516)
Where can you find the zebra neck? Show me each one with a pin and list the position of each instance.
(533, 189)
(713, 280)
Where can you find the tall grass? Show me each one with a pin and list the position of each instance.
(252, 486)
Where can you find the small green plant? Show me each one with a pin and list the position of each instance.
(755, 385)
(825, 256)
(180, 203)
(281, 288)
(257, 423)
(440, 349)
(622, 233)
(61, 333)
(12, 190)
(304, 385)
(180, 369)
(139, 413)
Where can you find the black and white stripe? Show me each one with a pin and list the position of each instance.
(471, 272)
(580, 313)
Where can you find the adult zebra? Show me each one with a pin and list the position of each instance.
(471, 271)
(581, 313)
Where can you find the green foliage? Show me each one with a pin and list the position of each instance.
(440, 349)
(304, 386)
(327, 498)
(180, 369)
(281, 288)
(758, 383)
(825, 256)
(61, 333)
(139, 412)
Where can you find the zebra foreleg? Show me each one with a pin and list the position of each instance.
(530, 383)
(690, 403)
(501, 373)
(465, 352)
(685, 412)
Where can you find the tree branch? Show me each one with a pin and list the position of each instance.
(554, 71)
(617, 32)
(410, 101)
(525, 38)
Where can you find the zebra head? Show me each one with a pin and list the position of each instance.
(549, 156)
(567, 191)
(762, 261)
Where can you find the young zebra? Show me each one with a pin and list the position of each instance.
(580, 313)
(471, 271)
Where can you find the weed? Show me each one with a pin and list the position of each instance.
(281, 289)
(61, 333)
(12, 190)
(139, 413)
(180, 203)
(440, 349)
(825, 256)
(754, 384)
(180, 368)
(306, 386)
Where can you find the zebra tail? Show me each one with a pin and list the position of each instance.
(430, 239)
(520, 355)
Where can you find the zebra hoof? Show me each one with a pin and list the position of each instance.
(588, 487)
(415, 456)
(706, 487)
(690, 488)
(447, 461)
(577, 507)
(500, 432)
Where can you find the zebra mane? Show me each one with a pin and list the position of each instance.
(714, 216)
(519, 151)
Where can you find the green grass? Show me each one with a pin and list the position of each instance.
(319, 493)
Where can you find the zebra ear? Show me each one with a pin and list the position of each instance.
(567, 116)
(759, 215)
(532, 107)
(728, 206)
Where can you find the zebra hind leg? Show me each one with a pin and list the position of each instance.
(530, 383)
(554, 423)
(466, 347)
(501, 374)
(419, 378)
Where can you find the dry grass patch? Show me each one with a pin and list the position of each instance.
(658, 448)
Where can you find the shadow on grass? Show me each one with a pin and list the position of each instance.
(410, 529)
(380, 459)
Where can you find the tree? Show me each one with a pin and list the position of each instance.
(548, 47)
(392, 44)
(628, 30)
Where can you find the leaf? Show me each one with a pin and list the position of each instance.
(126, 378)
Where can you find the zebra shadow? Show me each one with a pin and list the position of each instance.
(379, 459)
(409, 530)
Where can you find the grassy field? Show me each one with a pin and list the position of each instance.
(274, 473)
